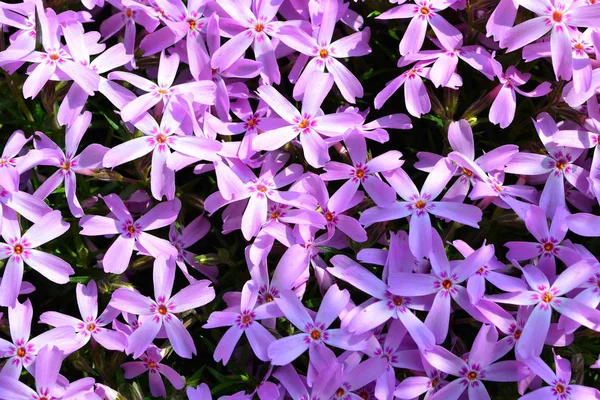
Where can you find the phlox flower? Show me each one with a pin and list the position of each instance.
(68, 162)
(502, 111)
(131, 233)
(545, 298)
(424, 13)
(324, 54)
(460, 137)
(559, 164)
(164, 91)
(161, 311)
(308, 123)
(415, 386)
(362, 172)
(243, 319)
(480, 366)
(560, 387)
(241, 184)
(23, 350)
(324, 387)
(151, 361)
(418, 205)
(314, 331)
(21, 249)
(560, 17)
(384, 304)
(443, 281)
(91, 325)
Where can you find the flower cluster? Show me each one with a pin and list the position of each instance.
(210, 175)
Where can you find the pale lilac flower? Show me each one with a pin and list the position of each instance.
(68, 163)
(362, 172)
(418, 205)
(22, 250)
(424, 13)
(443, 281)
(202, 91)
(243, 319)
(547, 297)
(324, 54)
(503, 108)
(309, 124)
(560, 387)
(480, 366)
(160, 140)
(559, 17)
(23, 351)
(131, 233)
(151, 362)
(90, 326)
(54, 58)
(324, 387)
(161, 312)
(383, 306)
(315, 331)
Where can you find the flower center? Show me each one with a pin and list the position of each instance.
(161, 138)
(275, 215)
(18, 249)
(329, 216)
(420, 204)
(579, 46)
(560, 388)
(424, 11)
(316, 335)
(128, 13)
(151, 364)
(447, 284)
(472, 375)
(434, 382)
(339, 392)
(131, 229)
(323, 53)
(54, 56)
(517, 334)
(261, 188)
(21, 352)
(359, 173)
(480, 270)
(557, 16)
(398, 301)
(364, 395)
(548, 246)
(303, 124)
(163, 91)
(561, 164)
(259, 27)
(269, 298)
(162, 310)
(246, 319)
(547, 297)
(91, 327)
(192, 23)
(251, 122)
(467, 172)
(66, 165)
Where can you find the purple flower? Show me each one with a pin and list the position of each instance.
(308, 123)
(424, 13)
(418, 205)
(68, 163)
(23, 351)
(324, 54)
(480, 366)
(560, 387)
(91, 326)
(243, 320)
(161, 312)
(384, 304)
(22, 249)
(545, 298)
(315, 332)
(362, 172)
(131, 233)
(150, 361)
